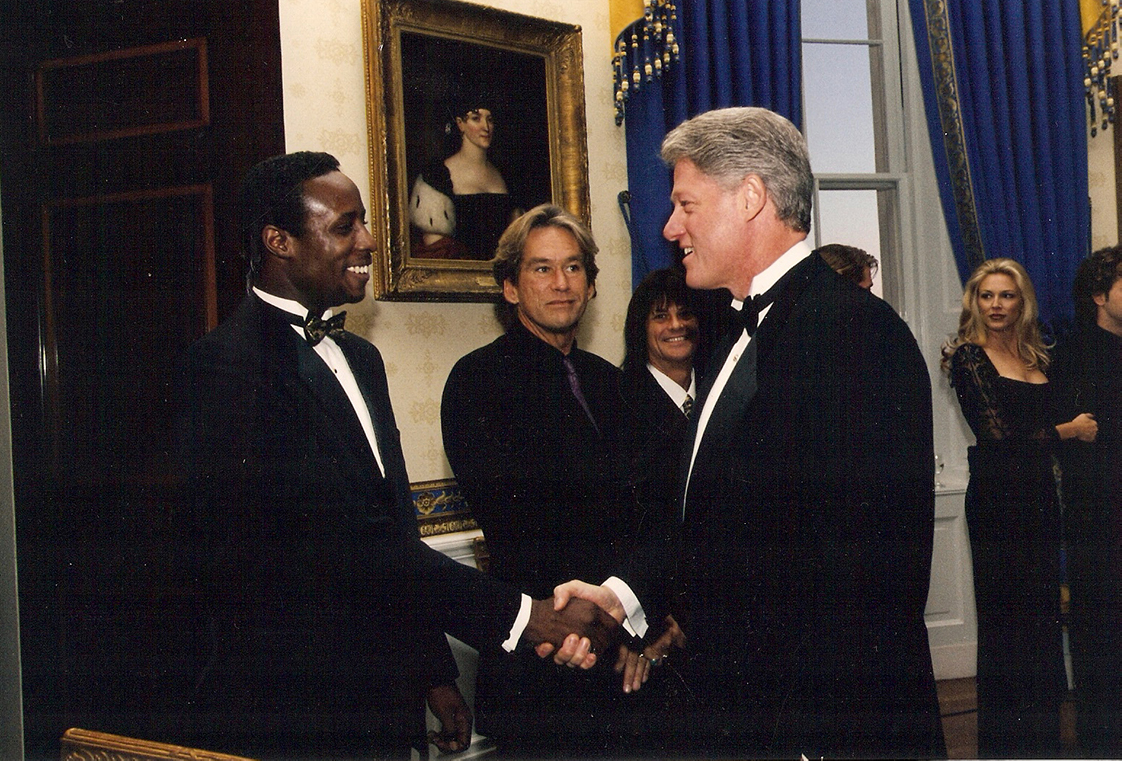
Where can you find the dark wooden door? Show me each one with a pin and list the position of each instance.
(125, 126)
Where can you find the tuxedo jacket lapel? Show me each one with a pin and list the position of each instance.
(797, 281)
(369, 372)
(328, 394)
(716, 362)
(385, 429)
(715, 451)
(320, 400)
(738, 392)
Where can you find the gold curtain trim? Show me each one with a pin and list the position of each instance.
(954, 134)
(623, 12)
(643, 49)
(1100, 48)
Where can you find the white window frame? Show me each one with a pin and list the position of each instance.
(891, 180)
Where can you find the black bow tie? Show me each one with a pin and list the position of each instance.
(316, 328)
(748, 316)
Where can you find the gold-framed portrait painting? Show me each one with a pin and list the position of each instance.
(475, 115)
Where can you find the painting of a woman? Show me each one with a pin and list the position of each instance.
(481, 202)
(477, 144)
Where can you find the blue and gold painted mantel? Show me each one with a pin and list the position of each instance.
(440, 507)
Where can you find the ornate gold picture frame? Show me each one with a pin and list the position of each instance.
(423, 57)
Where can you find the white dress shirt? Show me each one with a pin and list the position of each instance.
(676, 393)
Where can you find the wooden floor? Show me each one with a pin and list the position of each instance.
(958, 705)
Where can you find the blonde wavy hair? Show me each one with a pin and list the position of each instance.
(972, 328)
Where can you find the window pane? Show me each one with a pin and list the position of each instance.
(837, 91)
(850, 217)
(835, 19)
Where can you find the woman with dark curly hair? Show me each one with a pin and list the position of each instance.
(997, 363)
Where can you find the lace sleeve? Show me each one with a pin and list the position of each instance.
(974, 379)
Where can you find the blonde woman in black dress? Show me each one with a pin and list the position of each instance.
(997, 364)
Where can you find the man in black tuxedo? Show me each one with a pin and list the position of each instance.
(662, 336)
(322, 611)
(808, 508)
(1086, 372)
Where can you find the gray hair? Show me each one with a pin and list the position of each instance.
(729, 144)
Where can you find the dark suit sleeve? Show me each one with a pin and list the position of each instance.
(838, 451)
(900, 463)
(858, 459)
(873, 525)
(1065, 382)
(837, 448)
(655, 437)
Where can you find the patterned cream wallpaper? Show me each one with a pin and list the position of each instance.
(1104, 205)
(325, 109)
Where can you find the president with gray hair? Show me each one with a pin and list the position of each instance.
(807, 509)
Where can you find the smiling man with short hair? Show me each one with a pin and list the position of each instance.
(321, 614)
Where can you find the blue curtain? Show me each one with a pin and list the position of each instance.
(1003, 86)
(733, 53)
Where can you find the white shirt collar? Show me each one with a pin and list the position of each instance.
(677, 393)
(288, 305)
(777, 269)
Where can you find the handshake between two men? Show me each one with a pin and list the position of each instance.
(587, 620)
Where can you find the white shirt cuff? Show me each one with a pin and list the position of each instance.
(636, 621)
(520, 622)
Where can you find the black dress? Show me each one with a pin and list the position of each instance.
(1012, 512)
(481, 219)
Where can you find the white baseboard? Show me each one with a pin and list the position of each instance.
(955, 661)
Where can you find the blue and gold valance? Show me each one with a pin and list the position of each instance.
(644, 45)
(1100, 48)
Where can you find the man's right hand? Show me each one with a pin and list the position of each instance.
(580, 627)
(574, 651)
(601, 595)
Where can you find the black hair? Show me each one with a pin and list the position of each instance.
(462, 100)
(848, 261)
(658, 288)
(272, 193)
(1096, 274)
